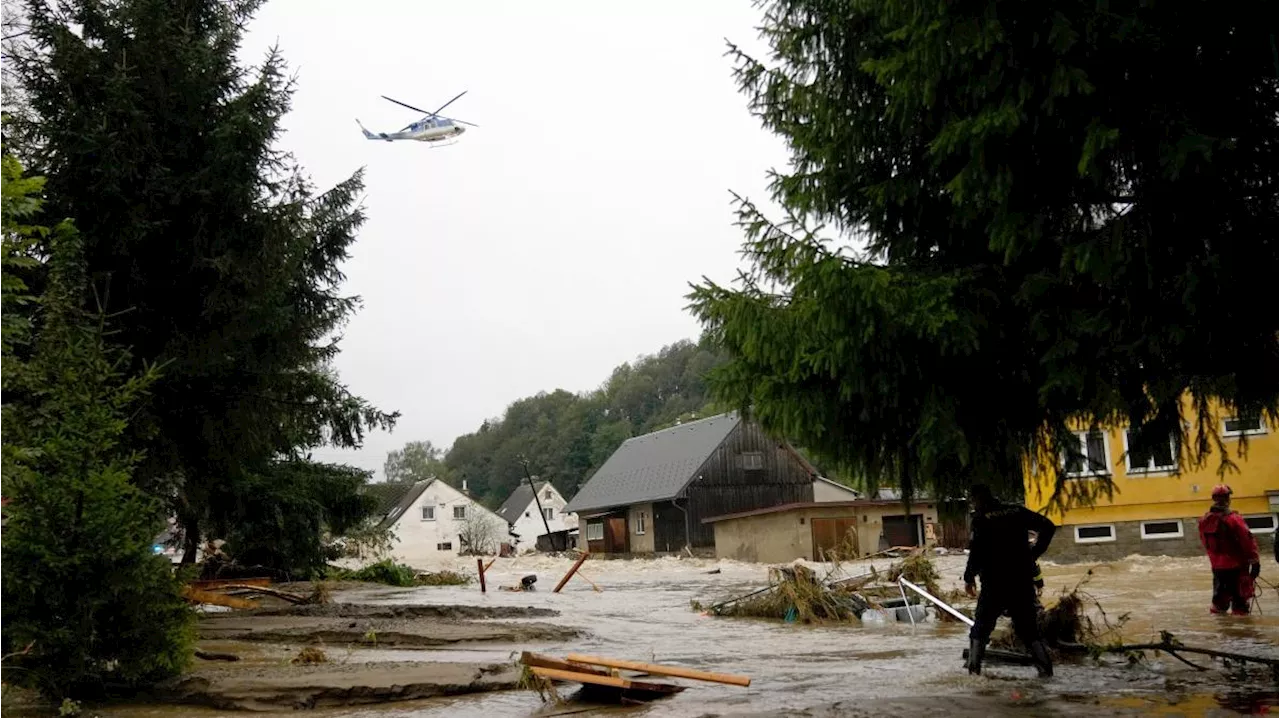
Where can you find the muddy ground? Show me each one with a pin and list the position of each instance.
(270, 640)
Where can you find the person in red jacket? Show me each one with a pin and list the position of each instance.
(1233, 554)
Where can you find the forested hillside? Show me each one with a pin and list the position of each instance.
(566, 436)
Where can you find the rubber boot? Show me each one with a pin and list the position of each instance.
(1040, 656)
(977, 649)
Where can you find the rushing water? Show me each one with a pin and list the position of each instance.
(643, 613)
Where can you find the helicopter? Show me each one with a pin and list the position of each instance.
(433, 127)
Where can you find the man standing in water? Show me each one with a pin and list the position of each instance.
(1233, 554)
(1001, 556)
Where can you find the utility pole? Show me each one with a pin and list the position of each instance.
(545, 524)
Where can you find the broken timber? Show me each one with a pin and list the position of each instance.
(673, 671)
(597, 683)
(577, 564)
(195, 595)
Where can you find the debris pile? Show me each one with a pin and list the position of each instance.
(797, 594)
(1065, 624)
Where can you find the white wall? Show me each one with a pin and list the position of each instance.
(828, 491)
(529, 526)
(418, 540)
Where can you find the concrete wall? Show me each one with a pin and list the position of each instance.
(827, 491)
(785, 536)
(529, 525)
(1128, 540)
(766, 538)
(418, 540)
(640, 542)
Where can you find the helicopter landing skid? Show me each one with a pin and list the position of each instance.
(437, 145)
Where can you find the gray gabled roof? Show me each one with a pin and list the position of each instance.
(394, 498)
(654, 467)
(518, 501)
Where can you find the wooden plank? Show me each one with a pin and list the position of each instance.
(480, 569)
(217, 599)
(674, 671)
(572, 571)
(211, 583)
(593, 678)
(537, 660)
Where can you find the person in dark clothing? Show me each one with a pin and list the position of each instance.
(1001, 555)
(1233, 554)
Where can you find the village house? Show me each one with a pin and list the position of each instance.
(821, 530)
(652, 494)
(531, 515)
(1158, 496)
(430, 519)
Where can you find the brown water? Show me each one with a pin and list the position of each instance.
(643, 613)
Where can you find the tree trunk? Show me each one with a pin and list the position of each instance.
(190, 538)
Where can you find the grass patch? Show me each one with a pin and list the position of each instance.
(391, 573)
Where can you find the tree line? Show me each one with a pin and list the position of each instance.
(563, 437)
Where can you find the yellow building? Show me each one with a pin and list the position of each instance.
(1159, 496)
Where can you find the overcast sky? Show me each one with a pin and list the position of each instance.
(555, 241)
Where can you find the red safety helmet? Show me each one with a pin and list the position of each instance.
(1221, 490)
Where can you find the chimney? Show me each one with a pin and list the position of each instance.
(464, 488)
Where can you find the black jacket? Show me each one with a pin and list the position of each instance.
(998, 548)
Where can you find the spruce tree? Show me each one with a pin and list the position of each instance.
(1003, 218)
(220, 256)
(86, 604)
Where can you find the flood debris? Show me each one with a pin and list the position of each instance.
(796, 594)
(602, 680)
(572, 570)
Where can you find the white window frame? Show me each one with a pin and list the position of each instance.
(750, 457)
(428, 513)
(460, 508)
(1083, 438)
(548, 513)
(595, 531)
(1102, 539)
(546, 495)
(1149, 470)
(1262, 428)
(640, 523)
(1182, 532)
(1271, 530)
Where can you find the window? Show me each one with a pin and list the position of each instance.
(548, 514)
(428, 513)
(1099, 533)
(546, 495)
(1243, 426)
(1265, 524)
(1162, 529)
(752, 460)
(460, 512)
(446, 546)
(1090, 458)
(595, 531)
(1150, 453)
(640, 524)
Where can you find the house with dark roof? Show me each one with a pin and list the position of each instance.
(430, 519)
(530, 514)
(652, 494)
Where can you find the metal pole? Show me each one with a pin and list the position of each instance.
(935, 600)
(536, 501)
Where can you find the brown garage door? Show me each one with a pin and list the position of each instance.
(834, 537)
(904, 531)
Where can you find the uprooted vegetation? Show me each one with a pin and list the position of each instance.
(391, 573)
(796, 593)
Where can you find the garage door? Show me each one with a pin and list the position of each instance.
(838, 537)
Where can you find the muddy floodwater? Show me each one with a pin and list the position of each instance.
(642, 612)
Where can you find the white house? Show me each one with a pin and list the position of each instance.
(521, 511)
(431, 519)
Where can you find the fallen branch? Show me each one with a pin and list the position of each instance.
(277, 593)
(1174, 648)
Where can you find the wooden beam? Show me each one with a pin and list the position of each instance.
(210, 583)
(572, 571)
(674, 671)
(537, 660)
(195, 595)
(593, 678)
(480, 568)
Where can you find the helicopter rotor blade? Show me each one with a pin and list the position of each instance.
(402, 104)
(450, 102)
(461, 122)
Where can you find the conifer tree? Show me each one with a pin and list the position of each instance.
(221, 258)
(1003, 217)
